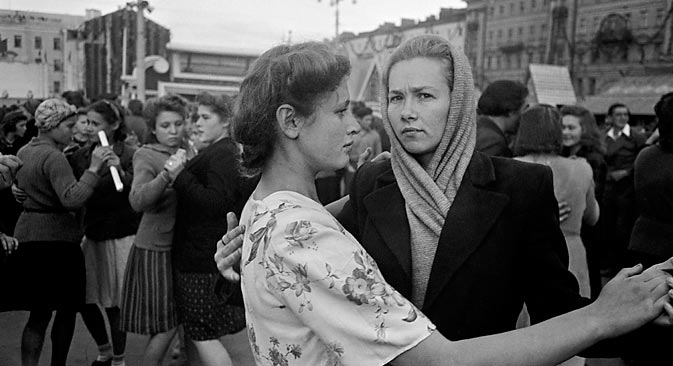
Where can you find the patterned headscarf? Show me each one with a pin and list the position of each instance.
(51, 112)
(429, 193)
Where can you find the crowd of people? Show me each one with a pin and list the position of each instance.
(109, 248)
(483, 216)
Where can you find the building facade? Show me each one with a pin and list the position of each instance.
(368, 51)
(194, 69)
(108, 42)
(35, 54)
(601, 41)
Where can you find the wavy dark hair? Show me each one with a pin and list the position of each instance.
(10, 120)
(592, 138)
(540, 131)
(166, 103)
(299, 75)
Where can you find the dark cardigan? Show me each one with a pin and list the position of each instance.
(108, 212)
(208, 188)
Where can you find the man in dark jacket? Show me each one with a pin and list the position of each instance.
(499, 109)
(619, 201)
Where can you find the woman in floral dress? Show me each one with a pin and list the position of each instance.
(313, 296)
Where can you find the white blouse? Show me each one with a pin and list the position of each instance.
(313, 296)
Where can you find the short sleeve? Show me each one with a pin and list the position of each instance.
(335, 288)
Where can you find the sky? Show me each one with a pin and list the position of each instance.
(254, 24)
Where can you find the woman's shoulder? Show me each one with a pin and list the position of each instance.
(287, 207)
(287, 223)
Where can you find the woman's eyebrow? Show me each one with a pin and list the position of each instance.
(343, 104)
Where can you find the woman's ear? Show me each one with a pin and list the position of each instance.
(288, 121)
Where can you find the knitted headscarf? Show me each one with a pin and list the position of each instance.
(429, 192)
(51, 112)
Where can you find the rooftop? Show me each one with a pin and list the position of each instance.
(210, 49)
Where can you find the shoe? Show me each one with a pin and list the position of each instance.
(102, 363)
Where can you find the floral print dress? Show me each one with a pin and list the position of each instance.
(313, 296)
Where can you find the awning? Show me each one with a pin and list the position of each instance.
(638, 93)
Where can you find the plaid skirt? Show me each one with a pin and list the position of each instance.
(147, 299)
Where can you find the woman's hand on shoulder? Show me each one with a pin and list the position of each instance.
(366, 156)
(229, 251)
(9, 243)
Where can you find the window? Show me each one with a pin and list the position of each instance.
(490, 62)
(597, 23)
(518, 60)
(491, 10)
(520, 31)
(643, 18)
(57, 87)
(38, 42)
(17, 41)
(497, 62)
(57, 43)
(58, 65)
(543, 30)
(660, 15)
(509, 33)
(592, 86)
(522, 7)
(502, 9)
(511, 8)
(490, 35)
(532, 30)
(533, 4)
(499, 33)
(583, 23)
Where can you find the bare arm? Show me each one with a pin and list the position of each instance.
(628, 301)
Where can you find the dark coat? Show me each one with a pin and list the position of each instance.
(653, 231)
(498, 247)
(490, 138)
(209, 186)
(501, 246)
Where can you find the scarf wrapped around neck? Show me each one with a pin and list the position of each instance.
(429, 193)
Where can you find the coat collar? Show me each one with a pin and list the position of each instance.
(474, 210)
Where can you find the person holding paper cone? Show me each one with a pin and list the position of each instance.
(110, 225)
(49, 266)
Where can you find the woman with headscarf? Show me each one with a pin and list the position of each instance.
(445, 223)
(49, 262)
(312, 294)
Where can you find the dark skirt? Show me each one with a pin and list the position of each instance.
(203, 308)
(43, 276)
(147, 298)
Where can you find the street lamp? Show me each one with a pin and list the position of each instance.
(335, 4)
